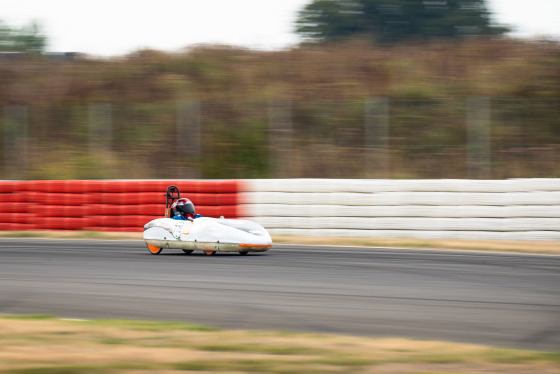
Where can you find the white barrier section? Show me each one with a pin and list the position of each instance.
(512, 209)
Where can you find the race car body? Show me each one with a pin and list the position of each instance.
(210, 235)
(207, 234)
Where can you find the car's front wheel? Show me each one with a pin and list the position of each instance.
(154, 250)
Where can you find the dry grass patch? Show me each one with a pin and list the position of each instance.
(478, 245)
(45, 345)
(451, 244)
(72, 234)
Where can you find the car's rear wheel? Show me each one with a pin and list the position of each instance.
(244, 253)
(188, 251)
(154, 250)
(210, 253)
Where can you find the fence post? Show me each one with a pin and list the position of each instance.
(280, 139)
(100, 120)
(376, 137)
(478, 138)
(15, 142)
(189, 138)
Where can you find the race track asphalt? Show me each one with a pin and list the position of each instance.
(508, 300)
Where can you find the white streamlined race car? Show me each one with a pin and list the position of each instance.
(209, 235)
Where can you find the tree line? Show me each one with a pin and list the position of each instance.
(384, 21)
(391, 21)
(29, 38)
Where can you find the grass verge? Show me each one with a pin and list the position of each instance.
(43, 344)
(552, 248)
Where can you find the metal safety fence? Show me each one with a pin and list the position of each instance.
(476, 138)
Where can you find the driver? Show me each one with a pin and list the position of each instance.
(183, 209)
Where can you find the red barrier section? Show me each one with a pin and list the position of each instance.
(13, 186)
(63, 210)
(120, 221)
(69, 199)
(16, 227)
(7, 187)
(62, 223)
(213, 199)
(10, 207)
(106, 205)
(17, 217)
(115, 229)
(132, 198)
(118, 210)
(6, 197)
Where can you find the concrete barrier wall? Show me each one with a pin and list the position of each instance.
(514, 209)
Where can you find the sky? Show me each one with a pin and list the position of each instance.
(118, 27)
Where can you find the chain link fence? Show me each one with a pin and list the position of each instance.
(477, 138)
